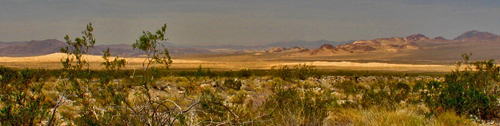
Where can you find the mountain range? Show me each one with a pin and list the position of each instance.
(483, 45)
(283, 44)
(42, 47)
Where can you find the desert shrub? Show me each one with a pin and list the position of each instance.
(183, 73)
(383, 92)
(96, 94)
(22, 101)
(293, 106)
(204, 73)
(191, 85)
(214, 110)
(466, 92)
(7, 75)
(283, 72)
(232, 84)
(244, 73)
(301, 71)
(76, 69)
(431, 94)
(388, 94)
(304, 71)
(349, 88)
(238, 98)
(107, 95)
(146, 105)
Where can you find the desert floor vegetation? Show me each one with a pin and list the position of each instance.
(285, 95)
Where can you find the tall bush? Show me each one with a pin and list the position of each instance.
(22, 101)
(471, 89)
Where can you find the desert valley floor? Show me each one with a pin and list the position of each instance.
(243, 61)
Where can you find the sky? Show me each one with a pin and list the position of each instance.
(245, 22)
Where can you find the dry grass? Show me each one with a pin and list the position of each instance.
(401, 117)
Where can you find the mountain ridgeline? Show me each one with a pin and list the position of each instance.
(43, 47)
(483, 45)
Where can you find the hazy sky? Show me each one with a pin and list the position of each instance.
(245, 22)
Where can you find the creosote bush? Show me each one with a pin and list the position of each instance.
(471, 91)
(301, 72)
(22, 101)
(244, 73)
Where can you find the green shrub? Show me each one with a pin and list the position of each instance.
(301, 71)
(203, 73)
(214, 109)
(466, 92)
(244, 73)
(388, 94)
(304, 71)
(283, 72)
(22, 101)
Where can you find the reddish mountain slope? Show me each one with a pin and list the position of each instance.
(483, 45)
(393, 44)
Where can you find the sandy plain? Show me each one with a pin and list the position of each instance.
(231, 62)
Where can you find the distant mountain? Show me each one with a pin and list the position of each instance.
(306, 44)
(439, 38)
(325, 49)
(226, 46)
(30, 48)
(285, 44)
(477, 35)
(127, 50)
(393, 44)
(483, 45)
(5, 44)
(42, 47)
(169, 44)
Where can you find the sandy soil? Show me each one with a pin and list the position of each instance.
(56, 57)
(375, 66)
(52, 61)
